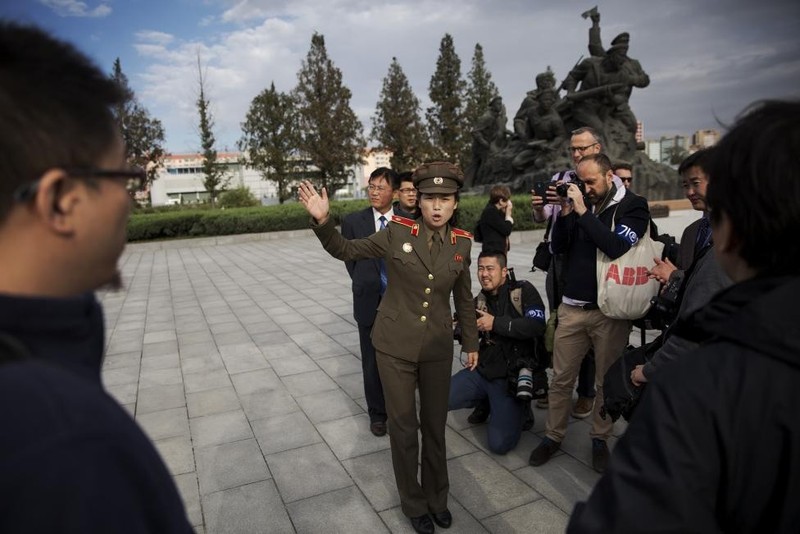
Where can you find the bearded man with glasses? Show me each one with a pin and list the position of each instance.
(72, 459)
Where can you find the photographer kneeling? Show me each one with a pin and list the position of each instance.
(511, 324)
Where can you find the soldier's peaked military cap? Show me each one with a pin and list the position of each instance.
(438, 177)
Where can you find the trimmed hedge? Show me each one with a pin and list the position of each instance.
(290, 216)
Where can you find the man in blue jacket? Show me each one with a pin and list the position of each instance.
(583, 227)
(71, 458)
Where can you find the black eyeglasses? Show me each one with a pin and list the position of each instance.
(581, 149)
(135, 179)
(626, 179)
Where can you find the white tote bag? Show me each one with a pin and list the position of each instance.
(623, 288)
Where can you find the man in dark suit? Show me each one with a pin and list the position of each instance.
(369, 284)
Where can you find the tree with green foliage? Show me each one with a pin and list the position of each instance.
(143, 135)
(270, 138)
(330, 133)
(215, 176)
(480, 91)
(445, 116)
(397, 124)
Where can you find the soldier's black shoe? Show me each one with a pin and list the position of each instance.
(443, 519)
(543, 452)
(422, 524)
(480, 414)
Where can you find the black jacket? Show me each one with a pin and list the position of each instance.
(513, 336)
(71, 458)
(581, 237)
(715, 444)
(494, 229)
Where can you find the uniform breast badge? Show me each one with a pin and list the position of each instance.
(407, 248)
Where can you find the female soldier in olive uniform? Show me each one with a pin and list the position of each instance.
(426, 260)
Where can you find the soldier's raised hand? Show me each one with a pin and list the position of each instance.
(316, 205)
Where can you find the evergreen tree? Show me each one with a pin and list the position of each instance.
(480, 91)
(270, 138)
(397, 125)
(216, 177)
(445, 116)
(330, 132)
(143, 135)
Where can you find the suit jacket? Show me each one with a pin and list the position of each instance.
(414, 321)
(366, 273)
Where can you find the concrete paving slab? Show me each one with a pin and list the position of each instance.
(285, 432)
(563, 481)
(230, 465)
(307, 471)
(539, 517)
(256, 381)
(190, 494)
(212, 401)
(165, 423)
(220, 428)
(268, 403)
(485, 488)
(344, 510)
(328, 405)
(349, 437)
(177, 453)
(157, 398)
(374, 476)
(254, 508)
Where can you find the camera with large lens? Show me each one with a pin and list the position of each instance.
(525, 384)
(666, 302)
(561, 189)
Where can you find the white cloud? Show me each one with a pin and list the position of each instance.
(155, 37)
(76, 8)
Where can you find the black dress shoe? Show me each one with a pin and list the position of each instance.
(480, 414)
(443, 519)
(422, 524)
(378, 428)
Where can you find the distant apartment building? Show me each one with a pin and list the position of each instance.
(667, 149)
(704, 139)
(639, 132)
(180, 180)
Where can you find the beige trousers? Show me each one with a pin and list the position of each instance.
(577, 331)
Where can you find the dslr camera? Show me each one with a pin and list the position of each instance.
(561, 189)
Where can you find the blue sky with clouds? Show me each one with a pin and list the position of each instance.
(706, 60)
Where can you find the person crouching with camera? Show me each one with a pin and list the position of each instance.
(511, 324)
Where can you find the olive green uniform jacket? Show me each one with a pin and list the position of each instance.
(414, 320)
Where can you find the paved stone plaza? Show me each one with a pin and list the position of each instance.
(240, 358)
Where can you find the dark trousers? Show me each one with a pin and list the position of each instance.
(586, 376)
(401, 378)
(469, 388)
(373, 389)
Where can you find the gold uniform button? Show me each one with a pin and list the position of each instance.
(425, 305)
(430, 276)
(427, 291)
(423, 318)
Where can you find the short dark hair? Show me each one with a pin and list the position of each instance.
(754, 179)
(387, 174)
(498, 193)
(622, 165)
(55, 108)
(499, 254)
(405, 176)
(696, 159)
(602, 161)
